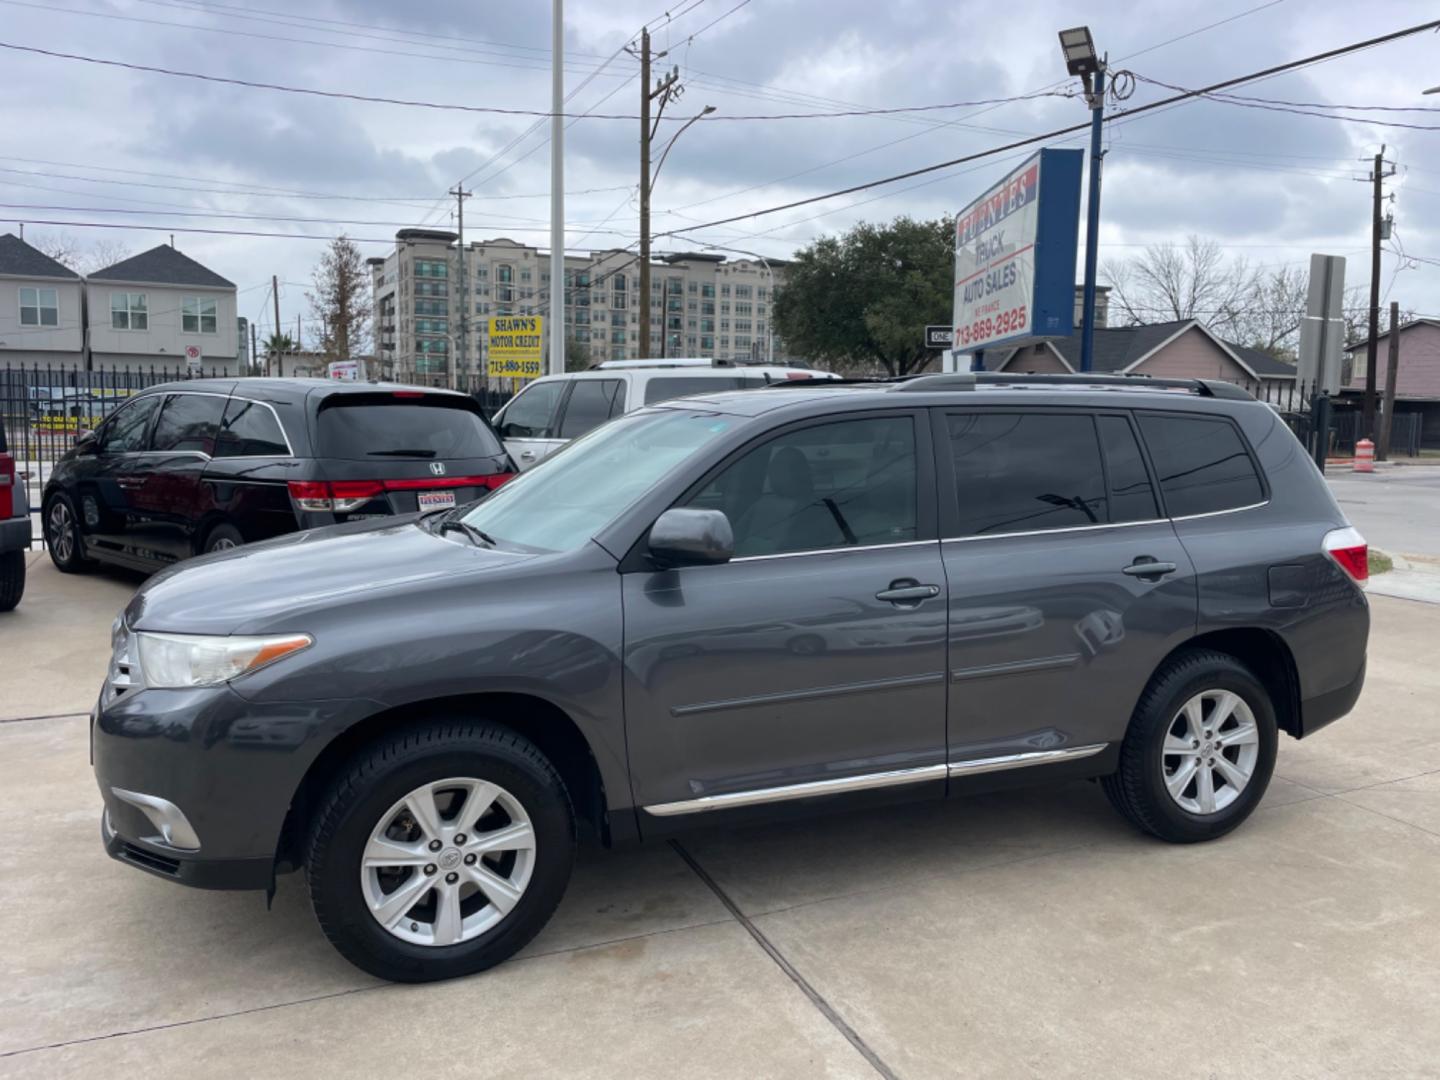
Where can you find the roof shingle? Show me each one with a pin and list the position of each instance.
(162, 265)
(19, 259)
(1117, 347)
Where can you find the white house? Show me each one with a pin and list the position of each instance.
(42, 321)
(159, 309)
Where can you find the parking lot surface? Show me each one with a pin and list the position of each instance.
(1029, 933)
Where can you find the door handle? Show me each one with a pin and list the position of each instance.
(1148, 567)
(527, 455)
(911, 593)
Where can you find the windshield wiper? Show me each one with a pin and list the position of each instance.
(475, 533)
(401, 453)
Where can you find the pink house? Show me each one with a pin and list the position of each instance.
(1176, 350)
(1418, 377)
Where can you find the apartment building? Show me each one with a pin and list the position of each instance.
(702, 305)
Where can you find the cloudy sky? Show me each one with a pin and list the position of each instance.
(1270, 186)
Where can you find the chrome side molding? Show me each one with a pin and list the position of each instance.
(891, 778)
(809, 790)
(1022, 761)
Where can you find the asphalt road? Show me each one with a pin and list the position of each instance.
(1397, 510)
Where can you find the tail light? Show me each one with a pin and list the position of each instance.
(344, 496)
(7, 486)
(1350, 552)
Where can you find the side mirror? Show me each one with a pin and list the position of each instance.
(85, 441)
(692, 538)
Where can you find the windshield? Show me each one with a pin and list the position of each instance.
(574, 493)
(403, 425)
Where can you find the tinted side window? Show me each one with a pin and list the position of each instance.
(126, 430)
(673, 386)
(249, 430)
(834, 485)
(1131, 497)
(188, 422)
(532, 414)
(592, 402)
(1019, 472)
(1201, 463)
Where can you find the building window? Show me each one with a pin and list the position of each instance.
(760, 294)
(724, 290)
(689, 324)
(692, 305)
(708, 290)
(707, 326)
(197, 315)
(725, 306)
(742, 326)
(744, 309)
(724, 343)
(620, 283)
(742, 292)
(707, 343)
(39, 307)
(505, 274)
(128, 312)
(525, 275)
(694, 287)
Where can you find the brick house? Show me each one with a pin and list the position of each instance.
(1185, 349)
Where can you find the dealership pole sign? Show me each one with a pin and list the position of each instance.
(1015, 255)
(513, 346)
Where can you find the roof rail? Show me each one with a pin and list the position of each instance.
(970, 380)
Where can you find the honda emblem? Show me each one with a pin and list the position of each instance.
(438, 468)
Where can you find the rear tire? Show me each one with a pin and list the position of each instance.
(12, 579)
(222, 537)
(395, 842)
(62, 536)
(1199, 752)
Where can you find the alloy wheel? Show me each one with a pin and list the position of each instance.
(448, 862)
(223, 543)
(62, 533)
(1210, 751)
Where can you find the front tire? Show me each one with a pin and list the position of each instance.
(12, 579)
(440, 851)
(1199, 751)
(223, 537)
(62, 536)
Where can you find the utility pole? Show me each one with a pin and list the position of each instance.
(275, 295)
(1392, 368)
(1378, 176)
(662, 92)
(1092, 221)
(460, 196)
(557, 189)
(254, 355)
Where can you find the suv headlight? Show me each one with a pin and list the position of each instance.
(179, 661)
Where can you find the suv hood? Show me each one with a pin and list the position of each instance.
(259, 587)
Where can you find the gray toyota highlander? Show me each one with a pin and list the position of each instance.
(725, 608)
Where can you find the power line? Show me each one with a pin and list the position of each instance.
(196, 229)
(712, 22)
(499, 110)
(1260, 103)
(1071, 129)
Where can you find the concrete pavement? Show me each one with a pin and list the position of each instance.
(1024, 934)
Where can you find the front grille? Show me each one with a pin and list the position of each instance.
(143, 857)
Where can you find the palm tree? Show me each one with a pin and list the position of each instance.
(277, 345)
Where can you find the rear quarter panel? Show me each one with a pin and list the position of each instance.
(1323, 616)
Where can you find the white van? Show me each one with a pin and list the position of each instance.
(557, 408)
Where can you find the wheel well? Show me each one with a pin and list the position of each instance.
(1265, 653)
(205, 527)
(546, 725)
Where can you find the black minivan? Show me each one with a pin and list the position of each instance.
(188, 468)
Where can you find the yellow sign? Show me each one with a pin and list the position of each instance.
(514, 347)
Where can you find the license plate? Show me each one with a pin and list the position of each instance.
(436, 500)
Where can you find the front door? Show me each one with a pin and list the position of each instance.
(816, 657)
(528, 424)
(1067, 587)
(107, 491)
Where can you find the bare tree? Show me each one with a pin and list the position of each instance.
(78, 256)
(1169, 283)
(341, 301)
(1269, 320)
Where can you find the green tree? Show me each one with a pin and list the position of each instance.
(861, 302)
(577, 354)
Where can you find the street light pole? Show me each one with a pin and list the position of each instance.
(557, 189)
(770, 318)
(1078, 48)
(1092, 223)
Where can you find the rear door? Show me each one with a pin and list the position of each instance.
(589, 404)
(1067, 587)
(248, 477)
(529, 423)
(173, 496)
(398, 451)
